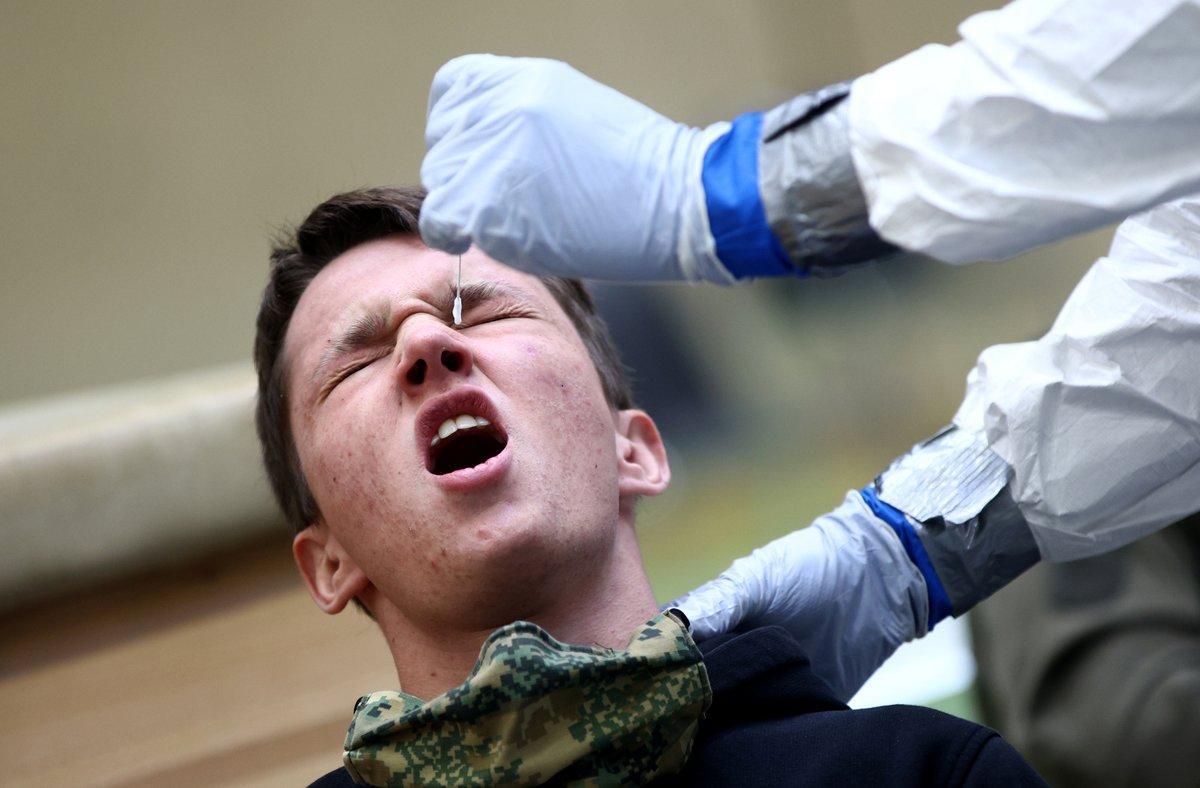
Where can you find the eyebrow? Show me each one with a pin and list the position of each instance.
(477, 293)
(369, 328)
(373, 324)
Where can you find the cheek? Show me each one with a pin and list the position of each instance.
(336, 461)
(342, 465)
(564, 389)
(566, 384)
(356, 489)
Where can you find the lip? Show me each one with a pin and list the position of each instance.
(463, 399)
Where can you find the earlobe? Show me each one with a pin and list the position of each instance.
(332, 576)
(641, 456)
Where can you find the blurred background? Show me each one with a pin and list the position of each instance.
(153, 628)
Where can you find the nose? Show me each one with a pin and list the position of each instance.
(433, 355)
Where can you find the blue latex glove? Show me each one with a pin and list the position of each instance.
(844, 587)
(551, 172)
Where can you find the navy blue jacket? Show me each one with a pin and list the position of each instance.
(775, 722)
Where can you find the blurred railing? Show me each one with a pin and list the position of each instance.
(104, 482)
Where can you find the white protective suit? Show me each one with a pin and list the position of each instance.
(1048, 118)
(1099, 419)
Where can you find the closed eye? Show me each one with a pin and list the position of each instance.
(349, 370)
(499, 313)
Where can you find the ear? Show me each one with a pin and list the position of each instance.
(642, 467)
(332, 576)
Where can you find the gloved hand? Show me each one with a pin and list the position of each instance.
(553, 173)
(843, 587)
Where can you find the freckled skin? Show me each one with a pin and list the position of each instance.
(502, 552)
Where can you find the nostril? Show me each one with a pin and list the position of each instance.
(451, 360)
(416, 373)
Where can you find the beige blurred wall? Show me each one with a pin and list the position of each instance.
(149, 149)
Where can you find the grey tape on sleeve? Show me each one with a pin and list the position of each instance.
(979, 557)
(810, 190)
(955, 490)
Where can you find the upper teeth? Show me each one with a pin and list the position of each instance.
(450, 426)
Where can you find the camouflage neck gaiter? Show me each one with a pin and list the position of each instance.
(534, 710)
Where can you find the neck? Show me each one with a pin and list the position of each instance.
(598, 606)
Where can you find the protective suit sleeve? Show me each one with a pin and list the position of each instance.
(1099, 420)
(1048, 118)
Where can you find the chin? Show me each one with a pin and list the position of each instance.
(512, 544)
(513, 562)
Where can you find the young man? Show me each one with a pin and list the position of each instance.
(453, 479)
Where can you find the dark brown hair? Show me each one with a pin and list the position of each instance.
(335, 226)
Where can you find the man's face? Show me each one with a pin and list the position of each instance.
(451, 463)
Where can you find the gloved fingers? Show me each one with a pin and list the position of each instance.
(503, 91)
(460, 82)
(460, 70)
(439, 233)
(444, 221)
(473, 185)
(715, 607)
(551, 172)
(459, 174)
(785, 582)
(474, 131)
(709, 621)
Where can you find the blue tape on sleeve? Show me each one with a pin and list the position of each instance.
(736, 216)
(939, 600)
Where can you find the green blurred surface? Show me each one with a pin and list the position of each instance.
(965, 704)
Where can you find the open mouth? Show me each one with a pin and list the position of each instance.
(464, 441)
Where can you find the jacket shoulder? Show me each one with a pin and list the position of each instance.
(338, 778)
(889, 745)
